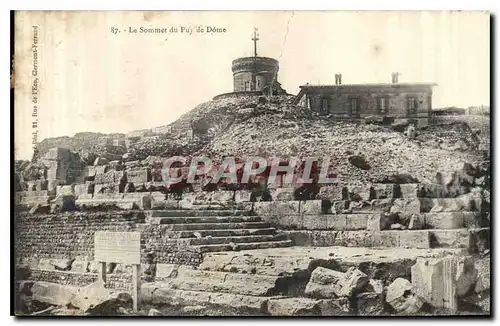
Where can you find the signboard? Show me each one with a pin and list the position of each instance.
(117, 247)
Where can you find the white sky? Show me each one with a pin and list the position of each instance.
(92, 80)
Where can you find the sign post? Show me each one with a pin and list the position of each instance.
(121, 248)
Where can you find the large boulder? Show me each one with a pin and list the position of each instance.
(401, 298)
(405, 208)
(400, 125)
(321, 284)
(63, 203)
(100, 161)
(52, 293)
(326, 283)
(97, 300)
(294, 307)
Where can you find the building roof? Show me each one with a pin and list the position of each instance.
(369, 85)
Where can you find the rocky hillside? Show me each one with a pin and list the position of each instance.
(275, 127)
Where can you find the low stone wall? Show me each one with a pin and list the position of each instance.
(70, 236)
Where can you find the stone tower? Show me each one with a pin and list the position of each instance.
(255, 73)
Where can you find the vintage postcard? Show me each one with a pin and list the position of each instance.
(251, 163)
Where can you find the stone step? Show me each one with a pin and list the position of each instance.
(211, 207)
(208, 202)
(203, 219)
(192, 213)
(359, 221)
(245, 284)
(215, 226)
(238, 239)
(225, 233)
(454, 220)
(471, 239)
(244, 246)
(160, 293)
(388, 263)
(447, 205)
(340, 222)
(225, 276)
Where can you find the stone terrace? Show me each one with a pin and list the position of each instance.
(221, 249)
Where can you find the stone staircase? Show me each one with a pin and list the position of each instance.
(271, 281)
(221, 229)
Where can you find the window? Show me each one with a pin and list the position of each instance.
(325, 105)
(383, 104)
(412, 104)
(247, 86)
(354, 106)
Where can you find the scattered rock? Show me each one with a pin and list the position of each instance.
(63, 203)
(405, 208)
(359, 162)
(90, 296)
(369, 304)
(326, 283)
(400, 125)
(51, 293)
(40, 209)
(101, 161)
(154, 312)
(193, 309)
(415, 222)
(97, 300)
(401, 297)
(352, 282)
(376, 286)
(322, 281)
(294, 307)
(63, 264)
(398, 226)
(381, 222)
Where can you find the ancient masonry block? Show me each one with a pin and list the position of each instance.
(282, 194)
(277, 208)
(357, 193)
(450, 220)
(410, 190)
(441, 281)
(139, 175)
(385, 190)
(65, 190)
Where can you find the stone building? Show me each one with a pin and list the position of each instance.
(400, 100)
(254, 75)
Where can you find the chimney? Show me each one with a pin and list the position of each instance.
(395, 77)
(338, 79)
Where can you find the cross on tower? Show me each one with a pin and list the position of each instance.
(255, 38)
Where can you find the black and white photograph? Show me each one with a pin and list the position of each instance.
(251, 163)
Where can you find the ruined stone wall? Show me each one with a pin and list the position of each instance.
(84, 141)
(71, 236)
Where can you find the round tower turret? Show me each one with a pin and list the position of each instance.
(254, 73)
